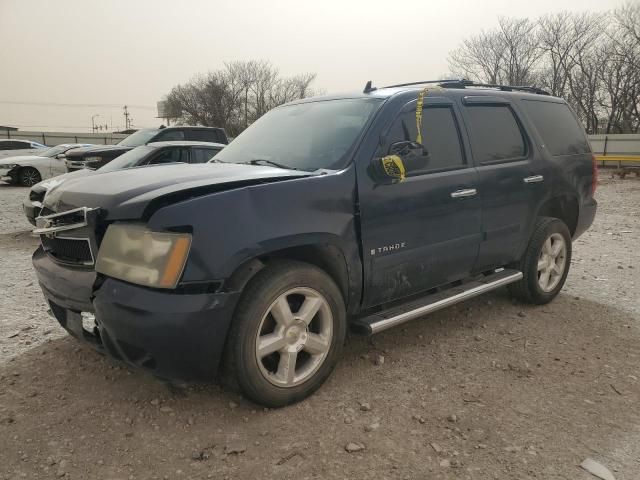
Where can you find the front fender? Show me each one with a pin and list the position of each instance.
(233, 226)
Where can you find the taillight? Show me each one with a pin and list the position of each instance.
(594, 176)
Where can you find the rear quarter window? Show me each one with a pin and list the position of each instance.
(561, 132)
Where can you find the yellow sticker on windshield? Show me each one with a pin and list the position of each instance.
(394, 167)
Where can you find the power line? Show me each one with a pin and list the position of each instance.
(89, 105)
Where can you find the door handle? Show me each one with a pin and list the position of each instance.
(467, 192)
(533, 179)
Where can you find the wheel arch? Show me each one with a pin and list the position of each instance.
(328, 257)
(563, 207)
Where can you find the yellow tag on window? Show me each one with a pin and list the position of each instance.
(419, 106)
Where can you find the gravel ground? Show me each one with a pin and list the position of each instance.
(486, 389)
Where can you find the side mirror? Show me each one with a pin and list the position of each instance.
(402, 159)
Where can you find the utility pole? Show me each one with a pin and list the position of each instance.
(127, 119)
(94, 129)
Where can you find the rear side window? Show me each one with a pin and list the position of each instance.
(558, 127)
(169, 135)
(169, 155)
(202, 155)
(439, 136)
(203, 136)
(495, 134)
(12, 145)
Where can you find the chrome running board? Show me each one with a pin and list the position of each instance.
(381, 321)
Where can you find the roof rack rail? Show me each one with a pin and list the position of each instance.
(509, 88)
(464, 83)
(457, 80)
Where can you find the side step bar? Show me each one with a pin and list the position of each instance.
(384, 320)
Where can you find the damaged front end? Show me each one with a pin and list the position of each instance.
(64, 263)
(133, 313)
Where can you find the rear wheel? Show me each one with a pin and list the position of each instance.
(288, 332)
(29, 176)
(545, 263)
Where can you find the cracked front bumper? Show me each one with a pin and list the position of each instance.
(172, 335)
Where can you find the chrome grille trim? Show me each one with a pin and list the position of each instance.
(51, 224)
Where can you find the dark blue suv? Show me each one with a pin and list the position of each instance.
(364, 211)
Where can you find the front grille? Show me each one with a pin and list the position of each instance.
(68, 250)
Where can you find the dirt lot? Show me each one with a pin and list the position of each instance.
(486, 389)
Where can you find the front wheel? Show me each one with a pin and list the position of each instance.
(287, 333)
(545, 263)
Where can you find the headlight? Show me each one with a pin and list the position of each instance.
(92, 159)
(135, 254)
(9, 166)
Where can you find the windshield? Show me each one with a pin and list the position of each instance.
(53, 151)
(305, 136)
(141, 137)
(129, 159)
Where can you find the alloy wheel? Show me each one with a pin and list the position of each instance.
(30, 177)
(294, 337)
(552, 262)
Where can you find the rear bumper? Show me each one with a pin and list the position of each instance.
(585, 217)
(176, 336)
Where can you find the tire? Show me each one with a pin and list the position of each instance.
(543, 273)
(270, 315)
(28, 177)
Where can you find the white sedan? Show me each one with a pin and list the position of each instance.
(28, 170)
(12, 148)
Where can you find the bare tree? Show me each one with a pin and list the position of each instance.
(592, 60)
(235, 96)
(480, 58)
(506, 55)
(522, 51)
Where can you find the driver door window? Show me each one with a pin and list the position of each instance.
(440, 137)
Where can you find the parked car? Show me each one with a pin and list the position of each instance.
(150, 154)
(365, 210)
(27, 170)
(13, 148)
(96, 157)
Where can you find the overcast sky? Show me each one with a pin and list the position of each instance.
(132, 52)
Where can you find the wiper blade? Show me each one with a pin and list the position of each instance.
(259, 161)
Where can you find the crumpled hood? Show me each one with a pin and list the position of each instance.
(77, 153)
(52, 182)
(125, 194)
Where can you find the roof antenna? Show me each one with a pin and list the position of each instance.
(368, 88)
